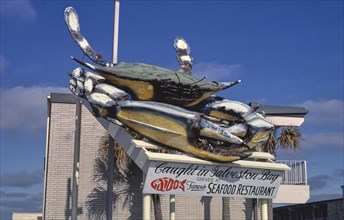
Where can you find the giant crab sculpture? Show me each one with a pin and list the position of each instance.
(171, 108)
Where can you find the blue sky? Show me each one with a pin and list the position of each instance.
(287, 53)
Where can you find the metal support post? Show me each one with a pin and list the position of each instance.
(110, 178)
(111, 140)
(115, 32)
(172, 207)
(76, 161)
(264, 209)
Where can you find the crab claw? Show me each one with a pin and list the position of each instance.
(259, 128)
(211, 130)
(181, 129)
(93, 87)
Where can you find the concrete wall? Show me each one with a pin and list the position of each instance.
(60, 162)
(59, 168)
(292, 194)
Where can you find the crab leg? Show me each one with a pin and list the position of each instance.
(72, 21)
(183, 57)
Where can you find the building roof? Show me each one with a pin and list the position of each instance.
(271, 110)
(63, 98)
(309, 204)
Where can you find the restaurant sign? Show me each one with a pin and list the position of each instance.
(210, 180)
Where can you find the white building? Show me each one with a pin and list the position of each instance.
(27, 216)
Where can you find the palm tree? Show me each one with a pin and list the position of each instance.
(286, 138)
(123, 187)
(127, 181)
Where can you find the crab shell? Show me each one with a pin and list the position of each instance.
(153, 83)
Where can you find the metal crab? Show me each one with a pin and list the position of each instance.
(169, 107)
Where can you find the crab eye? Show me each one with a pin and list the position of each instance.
(181, 46)
(73, 22)
(72, 19)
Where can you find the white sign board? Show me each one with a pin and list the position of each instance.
(208, 180)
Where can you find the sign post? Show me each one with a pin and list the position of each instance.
(172, 207)
(146, 204)
(76, 160)
(264, 209)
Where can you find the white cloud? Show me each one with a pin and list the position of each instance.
(18, 9)
(25, 108)
(328, 112)
(21, 179)
(324, 140)
(215, 71)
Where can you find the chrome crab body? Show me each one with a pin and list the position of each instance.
(171, 108)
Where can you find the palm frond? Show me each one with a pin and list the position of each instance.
(101, 172)
(127, 175)
(96, 202)
(103, 146)
(290, 138)
(270, 145)
(121, 157)
(287, 138)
